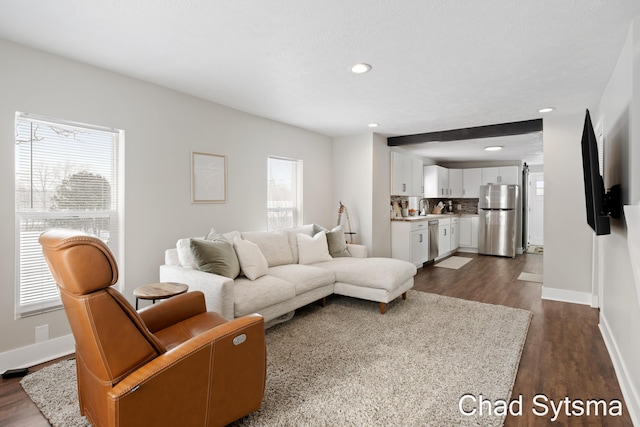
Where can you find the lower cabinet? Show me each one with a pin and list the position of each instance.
(468, 232)
(410, 241)
(444, 237)
(455, 235)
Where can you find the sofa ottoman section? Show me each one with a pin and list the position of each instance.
(374, 279)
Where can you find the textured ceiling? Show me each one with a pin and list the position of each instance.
(437, 65)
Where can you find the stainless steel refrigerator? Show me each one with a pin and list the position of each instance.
(497, 208)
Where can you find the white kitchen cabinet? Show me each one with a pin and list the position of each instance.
(468, 232)
(471, 182)
(500, 175)
(455, 183)
(417, 178)
(406, 175)
(436, 181)
(444, 237)
(410, 241)
(401, 177)
(455, 235)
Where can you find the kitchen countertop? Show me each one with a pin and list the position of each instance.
(432, 216)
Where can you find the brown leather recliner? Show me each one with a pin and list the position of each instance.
(170, 364)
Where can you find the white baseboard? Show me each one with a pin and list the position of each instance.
(630, 394)
(35, 354)
(575, 297)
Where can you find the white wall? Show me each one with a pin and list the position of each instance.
(567, 237)
(619, 111)
(161, 127)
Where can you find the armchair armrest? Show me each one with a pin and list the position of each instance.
(217, 290)
(173, 310)
(212, 379)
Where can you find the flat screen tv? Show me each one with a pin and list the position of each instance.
(594, 192)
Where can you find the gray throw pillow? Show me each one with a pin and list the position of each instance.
(215, 256)
(335, 239)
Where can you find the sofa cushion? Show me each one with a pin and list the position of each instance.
(273, 244)
(252, 296)
(379, 273)
(252, 261)
(215, 256)
(303, 277)
(313, 249)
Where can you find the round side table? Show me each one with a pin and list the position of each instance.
(156, 291)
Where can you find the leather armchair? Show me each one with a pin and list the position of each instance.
(169, 364)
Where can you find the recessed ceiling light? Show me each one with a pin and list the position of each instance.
(373, 125)
(546, 110)
(360, 68)
(493, 148)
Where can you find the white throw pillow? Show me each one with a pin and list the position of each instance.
(252, 262)
(313, 249)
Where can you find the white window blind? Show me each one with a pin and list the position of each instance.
(284, 193)
(66, 176)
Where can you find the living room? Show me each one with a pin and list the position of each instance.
(163, 126)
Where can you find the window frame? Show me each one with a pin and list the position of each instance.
(115, 213)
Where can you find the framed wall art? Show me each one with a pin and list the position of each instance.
(208, 178)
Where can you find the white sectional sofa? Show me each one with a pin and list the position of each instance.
(284, 271)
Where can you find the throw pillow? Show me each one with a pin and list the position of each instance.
(215, 256)
(337, 242)
(185, 256)
(252, 261)
(313, 249)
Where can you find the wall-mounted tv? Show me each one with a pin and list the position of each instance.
(600, 204)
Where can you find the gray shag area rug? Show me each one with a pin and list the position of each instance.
(346, 364)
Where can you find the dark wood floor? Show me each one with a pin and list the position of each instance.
(564, 355)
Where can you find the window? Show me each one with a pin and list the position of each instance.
(67, 176)
(284, 193)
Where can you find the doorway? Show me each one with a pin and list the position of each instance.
(536, 211)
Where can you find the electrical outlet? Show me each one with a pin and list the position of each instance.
(42, 333)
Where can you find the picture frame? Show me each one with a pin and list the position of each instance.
(208, 178)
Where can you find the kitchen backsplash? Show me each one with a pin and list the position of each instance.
(467, 206)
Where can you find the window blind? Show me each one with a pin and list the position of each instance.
(66, 177)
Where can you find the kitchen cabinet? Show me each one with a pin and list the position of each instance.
(401, 177)
(444, 237)
(410, 241)
(500, 175)
(471, 182)
(436, 181)
(406, 175)
(455, 183)
(417, 178)
(468, 232)
(455, 235)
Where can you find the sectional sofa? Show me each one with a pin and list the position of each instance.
(275, 272)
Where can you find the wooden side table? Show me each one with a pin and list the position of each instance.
(156, 291)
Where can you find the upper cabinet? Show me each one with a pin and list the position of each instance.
(500, 175)
(471, 181)
(406, 175)
(465, 183)
(455, 183)
(436, 181)
(417, 178)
